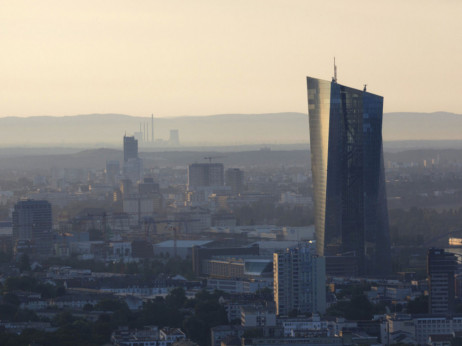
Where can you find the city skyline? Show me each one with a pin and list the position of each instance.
(218, 57)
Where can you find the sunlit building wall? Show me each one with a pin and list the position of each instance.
(351, 215)
(299, 277)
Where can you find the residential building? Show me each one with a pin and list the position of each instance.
(258, 316)
(32, 225)
(205, 175)
(441, 267)
(234, 178)
(220, 333)
(149, 336)
(299, 280)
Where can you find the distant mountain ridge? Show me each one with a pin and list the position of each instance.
(222, 129)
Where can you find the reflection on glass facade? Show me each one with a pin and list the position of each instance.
(351, 216)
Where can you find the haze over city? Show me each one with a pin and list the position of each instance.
(230, 173)
(204, 57)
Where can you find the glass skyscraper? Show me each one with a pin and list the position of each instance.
(351, 216)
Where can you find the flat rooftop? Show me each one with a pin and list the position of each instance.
(183, 243)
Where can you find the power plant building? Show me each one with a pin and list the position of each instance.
(174, 139)
(351, 215)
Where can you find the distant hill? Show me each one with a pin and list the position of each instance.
(422, 126)
(100, 130)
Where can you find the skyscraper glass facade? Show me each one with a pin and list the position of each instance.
(351, 215)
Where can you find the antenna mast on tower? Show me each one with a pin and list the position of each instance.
(334, 79)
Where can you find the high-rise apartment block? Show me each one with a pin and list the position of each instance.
(205, 175)
(234, 178)
(351, 215)
(441, 268)
(32, 227)
(299, 280)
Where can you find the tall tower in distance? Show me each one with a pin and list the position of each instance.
(351, 214)
(130, 148)
(133, 165)
(152, 128)
(174, 139)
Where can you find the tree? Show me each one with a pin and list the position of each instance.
(418, 305)
(11, 299)
(24, 263)
(112, 305)
(176, 298)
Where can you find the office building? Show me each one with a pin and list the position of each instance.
(133, 165)
(130, 148)
(32, 227)
(133, 170)
(112, 171)
(441, 267)
(205, 175)
(200, 255)
(299, 281)
(148, 187)
(234, 178)
(351, 215)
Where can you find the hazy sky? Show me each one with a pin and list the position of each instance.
(201, 57)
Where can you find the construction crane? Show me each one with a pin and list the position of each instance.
(150, 222)
(210, 158)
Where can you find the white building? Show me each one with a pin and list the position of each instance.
(299, 280)
(239, 285)
(258, 316)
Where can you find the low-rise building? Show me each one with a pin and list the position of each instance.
(220, 333)
(258, 316)
(149, 336)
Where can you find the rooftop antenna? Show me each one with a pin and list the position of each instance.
(334, 79)
(152, 128)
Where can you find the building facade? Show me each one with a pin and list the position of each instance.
(133, 165)
(130, 148)
(441, 268)
(32, 227)
(234, 178)
(351, 216)
(174, 139)
(205, 175)
(299, 277)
